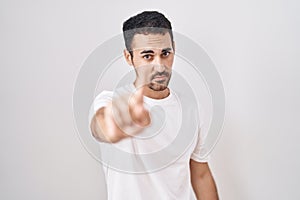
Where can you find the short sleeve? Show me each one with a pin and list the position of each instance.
(199, 152)
(100, 101)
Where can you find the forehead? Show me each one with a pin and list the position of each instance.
(151, 41)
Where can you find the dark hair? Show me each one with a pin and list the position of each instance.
(145, 23)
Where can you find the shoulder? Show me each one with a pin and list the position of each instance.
(104, 94)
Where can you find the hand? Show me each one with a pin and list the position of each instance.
(125, 116)
(139, 114)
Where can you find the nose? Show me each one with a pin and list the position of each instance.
(159, 68)
(158, 65)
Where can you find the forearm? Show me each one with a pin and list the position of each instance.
(99, 128)
(104, 127)
(203, 183)
(96, 128)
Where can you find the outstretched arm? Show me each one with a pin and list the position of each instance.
(129, 112)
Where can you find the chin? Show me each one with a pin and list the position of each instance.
(158, 86)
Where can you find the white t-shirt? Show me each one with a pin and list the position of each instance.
(155, 164)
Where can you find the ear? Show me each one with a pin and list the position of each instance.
(128, 57)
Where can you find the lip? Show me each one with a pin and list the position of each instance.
(160, 78)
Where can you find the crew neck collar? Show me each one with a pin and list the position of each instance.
(148, 99)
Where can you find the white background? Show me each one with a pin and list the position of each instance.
(254, 44)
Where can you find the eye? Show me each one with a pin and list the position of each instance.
(165, 53)
(147, 56)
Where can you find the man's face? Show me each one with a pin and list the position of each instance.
(153, 56)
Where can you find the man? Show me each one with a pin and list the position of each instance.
(124, 116)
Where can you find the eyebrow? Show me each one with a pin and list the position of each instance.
(147, 51)
(166, 49)
(151, 51)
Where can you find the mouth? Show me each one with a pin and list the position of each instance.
(160, 78)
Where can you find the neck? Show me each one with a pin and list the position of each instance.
(148, 92)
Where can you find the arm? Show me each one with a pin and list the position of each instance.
(131, 116)
(202, 181)
(99, 128)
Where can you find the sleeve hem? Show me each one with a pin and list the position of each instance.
(202, 160)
